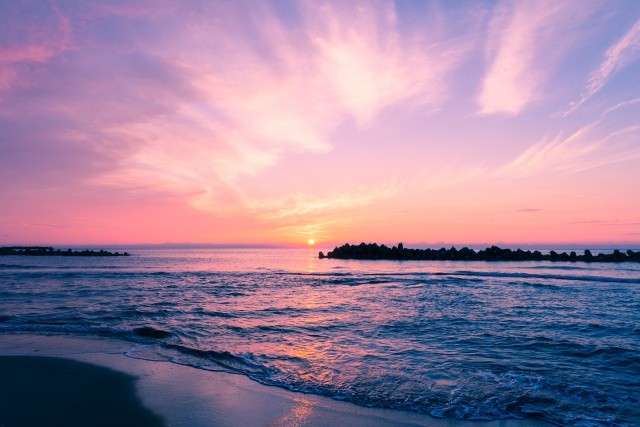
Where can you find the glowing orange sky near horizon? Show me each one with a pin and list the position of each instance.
(277, 123)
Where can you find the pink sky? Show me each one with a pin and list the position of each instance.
(276, 122)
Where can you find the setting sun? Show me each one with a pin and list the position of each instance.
(311, 242)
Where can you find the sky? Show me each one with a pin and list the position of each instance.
(276, 122)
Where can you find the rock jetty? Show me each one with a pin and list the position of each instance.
(49, 251)
(373, 251)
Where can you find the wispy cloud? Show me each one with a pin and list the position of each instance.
(192, 108)
(605, 222)
(587, 148)
(318, 216)
(301, 204)
(525, 40)
(597, 221)
(368, 64)
(43, 225)
(319, 229)
(621, 105)
(25, 43)
(550, 153)
(621, 53)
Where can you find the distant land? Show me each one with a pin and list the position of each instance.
(50, 251)
(373, 251)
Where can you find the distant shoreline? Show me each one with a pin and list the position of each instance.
(373, 251)
(50, 251)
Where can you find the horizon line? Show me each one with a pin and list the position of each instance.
(332, 244)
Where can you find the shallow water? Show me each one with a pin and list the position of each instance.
(469, 340)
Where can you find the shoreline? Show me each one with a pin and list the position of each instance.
(186, 396)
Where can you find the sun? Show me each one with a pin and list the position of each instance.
(311, 242)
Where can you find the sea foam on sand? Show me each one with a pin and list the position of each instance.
(178, 395)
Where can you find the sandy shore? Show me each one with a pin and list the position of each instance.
(72, 381)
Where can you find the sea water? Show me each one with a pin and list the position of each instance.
(467, 340)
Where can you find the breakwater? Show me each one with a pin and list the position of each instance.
(373, 251)
(50, 251)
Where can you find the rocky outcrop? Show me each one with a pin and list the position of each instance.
(49, 251)
(373, 251)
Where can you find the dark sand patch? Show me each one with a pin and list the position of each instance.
(49, 391)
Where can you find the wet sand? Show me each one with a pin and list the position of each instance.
(51, 380)
(48, 391)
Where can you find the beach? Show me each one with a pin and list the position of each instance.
(91, 381)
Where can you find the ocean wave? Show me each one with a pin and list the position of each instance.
(476, 276)
(472, 395)
(606, 279)
(213, 313)
(54, 268)
(312, 279)
(242, 364)
(18, 266)
(556, 266)
(14, 325)
(53, 327)
(151, 332)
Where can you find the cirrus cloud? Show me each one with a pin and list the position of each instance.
(525, 41)
(187, 102)
(625, 50)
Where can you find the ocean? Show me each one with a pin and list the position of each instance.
(468, 340)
